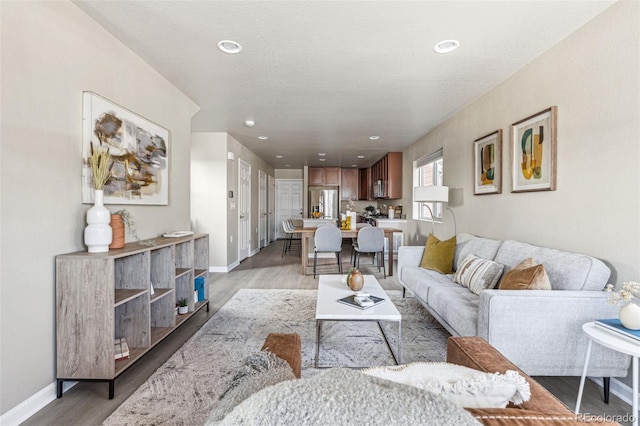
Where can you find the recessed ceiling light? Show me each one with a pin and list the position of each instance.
(446, 46)
(360, 156)
(323, 159)
(322, 154)
(249, 123)
(374, 138)
(278, 156)
(229, 46)
(263, 138)
(287, 165)
(354, 165)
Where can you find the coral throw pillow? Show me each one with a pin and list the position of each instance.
(526, 276)
(438, 255)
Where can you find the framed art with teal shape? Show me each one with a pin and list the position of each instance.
(533, 152)
(487, 160)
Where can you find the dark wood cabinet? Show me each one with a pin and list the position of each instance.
(324, 176)
(364, 184)
(388, 171)
(349, 184)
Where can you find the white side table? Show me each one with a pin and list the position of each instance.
(611, 340)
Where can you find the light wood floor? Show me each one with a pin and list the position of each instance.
(88, 404)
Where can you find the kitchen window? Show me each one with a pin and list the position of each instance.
(427, 171)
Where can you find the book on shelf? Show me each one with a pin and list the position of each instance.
(355, 302)
(614, 324)
(121, 349)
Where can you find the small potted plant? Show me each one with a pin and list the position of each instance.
(183, 306)
(370, 209)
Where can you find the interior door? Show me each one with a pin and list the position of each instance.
(288, 202)
(262, 209)
(244, 210)
(271, 206)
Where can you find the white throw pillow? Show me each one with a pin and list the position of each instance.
(478, 274)
(461, 385)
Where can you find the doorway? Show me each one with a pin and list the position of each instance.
(262, 209)
(288, 202)
(271, 205)
(244, 210)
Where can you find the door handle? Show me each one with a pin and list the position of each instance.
(241, 217)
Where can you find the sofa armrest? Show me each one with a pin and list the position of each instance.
(541, 330)
(409, 255)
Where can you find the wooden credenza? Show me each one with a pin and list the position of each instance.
(104, 296)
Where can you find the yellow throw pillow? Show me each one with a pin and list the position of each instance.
(438, 255)
(527, 275)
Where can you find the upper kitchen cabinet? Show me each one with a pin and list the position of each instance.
(324, 176)
(364, 184)
(349, 184)
(386, 176)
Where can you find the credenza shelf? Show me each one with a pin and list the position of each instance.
(101, 297)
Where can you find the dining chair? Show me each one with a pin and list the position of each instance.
(371, 240)
(354, 240)
(328, 239)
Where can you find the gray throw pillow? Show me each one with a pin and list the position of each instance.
(257, 372)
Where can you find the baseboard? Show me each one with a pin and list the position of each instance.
(224, 268)
(33, 404)
(254, 252)
(617, 388)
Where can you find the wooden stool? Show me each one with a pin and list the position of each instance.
(287, 347)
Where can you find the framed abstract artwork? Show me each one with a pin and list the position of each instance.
(533, 152)
(487, 160)
(139, 149)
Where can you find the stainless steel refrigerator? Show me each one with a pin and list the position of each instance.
(324, 199)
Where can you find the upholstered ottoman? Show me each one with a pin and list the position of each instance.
(286, 346)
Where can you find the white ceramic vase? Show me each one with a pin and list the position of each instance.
(98, 234)
(630, 316)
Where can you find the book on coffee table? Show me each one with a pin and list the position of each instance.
(351, 301)
(614, 324)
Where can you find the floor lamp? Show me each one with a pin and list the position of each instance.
(433, 194)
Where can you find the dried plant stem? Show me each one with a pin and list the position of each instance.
(100, 161)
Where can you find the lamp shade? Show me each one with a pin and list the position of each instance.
(431, 194)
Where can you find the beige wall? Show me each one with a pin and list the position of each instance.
(592, 77)
(50, 53)
(289, 173)
(209, 200)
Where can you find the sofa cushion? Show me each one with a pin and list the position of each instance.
(419, 280)
(438, 255)
(456, 305)
(470, 244)
(478, 274)
(527, 275)
(566, 271)
(461, 385)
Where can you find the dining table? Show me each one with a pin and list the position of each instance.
(306, 233)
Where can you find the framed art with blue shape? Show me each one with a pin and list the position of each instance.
(487, 160)
(533, 152)
(139, 150)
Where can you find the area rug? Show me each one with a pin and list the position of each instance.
(185, 388)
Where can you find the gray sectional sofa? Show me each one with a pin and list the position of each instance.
(538, 330)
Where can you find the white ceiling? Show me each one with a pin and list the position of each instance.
(320, 76)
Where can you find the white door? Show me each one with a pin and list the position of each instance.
(271, 206)
(262, 209)
(288, 202)
(244, 210)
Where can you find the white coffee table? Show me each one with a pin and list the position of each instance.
(611, 340)
(333, 287)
